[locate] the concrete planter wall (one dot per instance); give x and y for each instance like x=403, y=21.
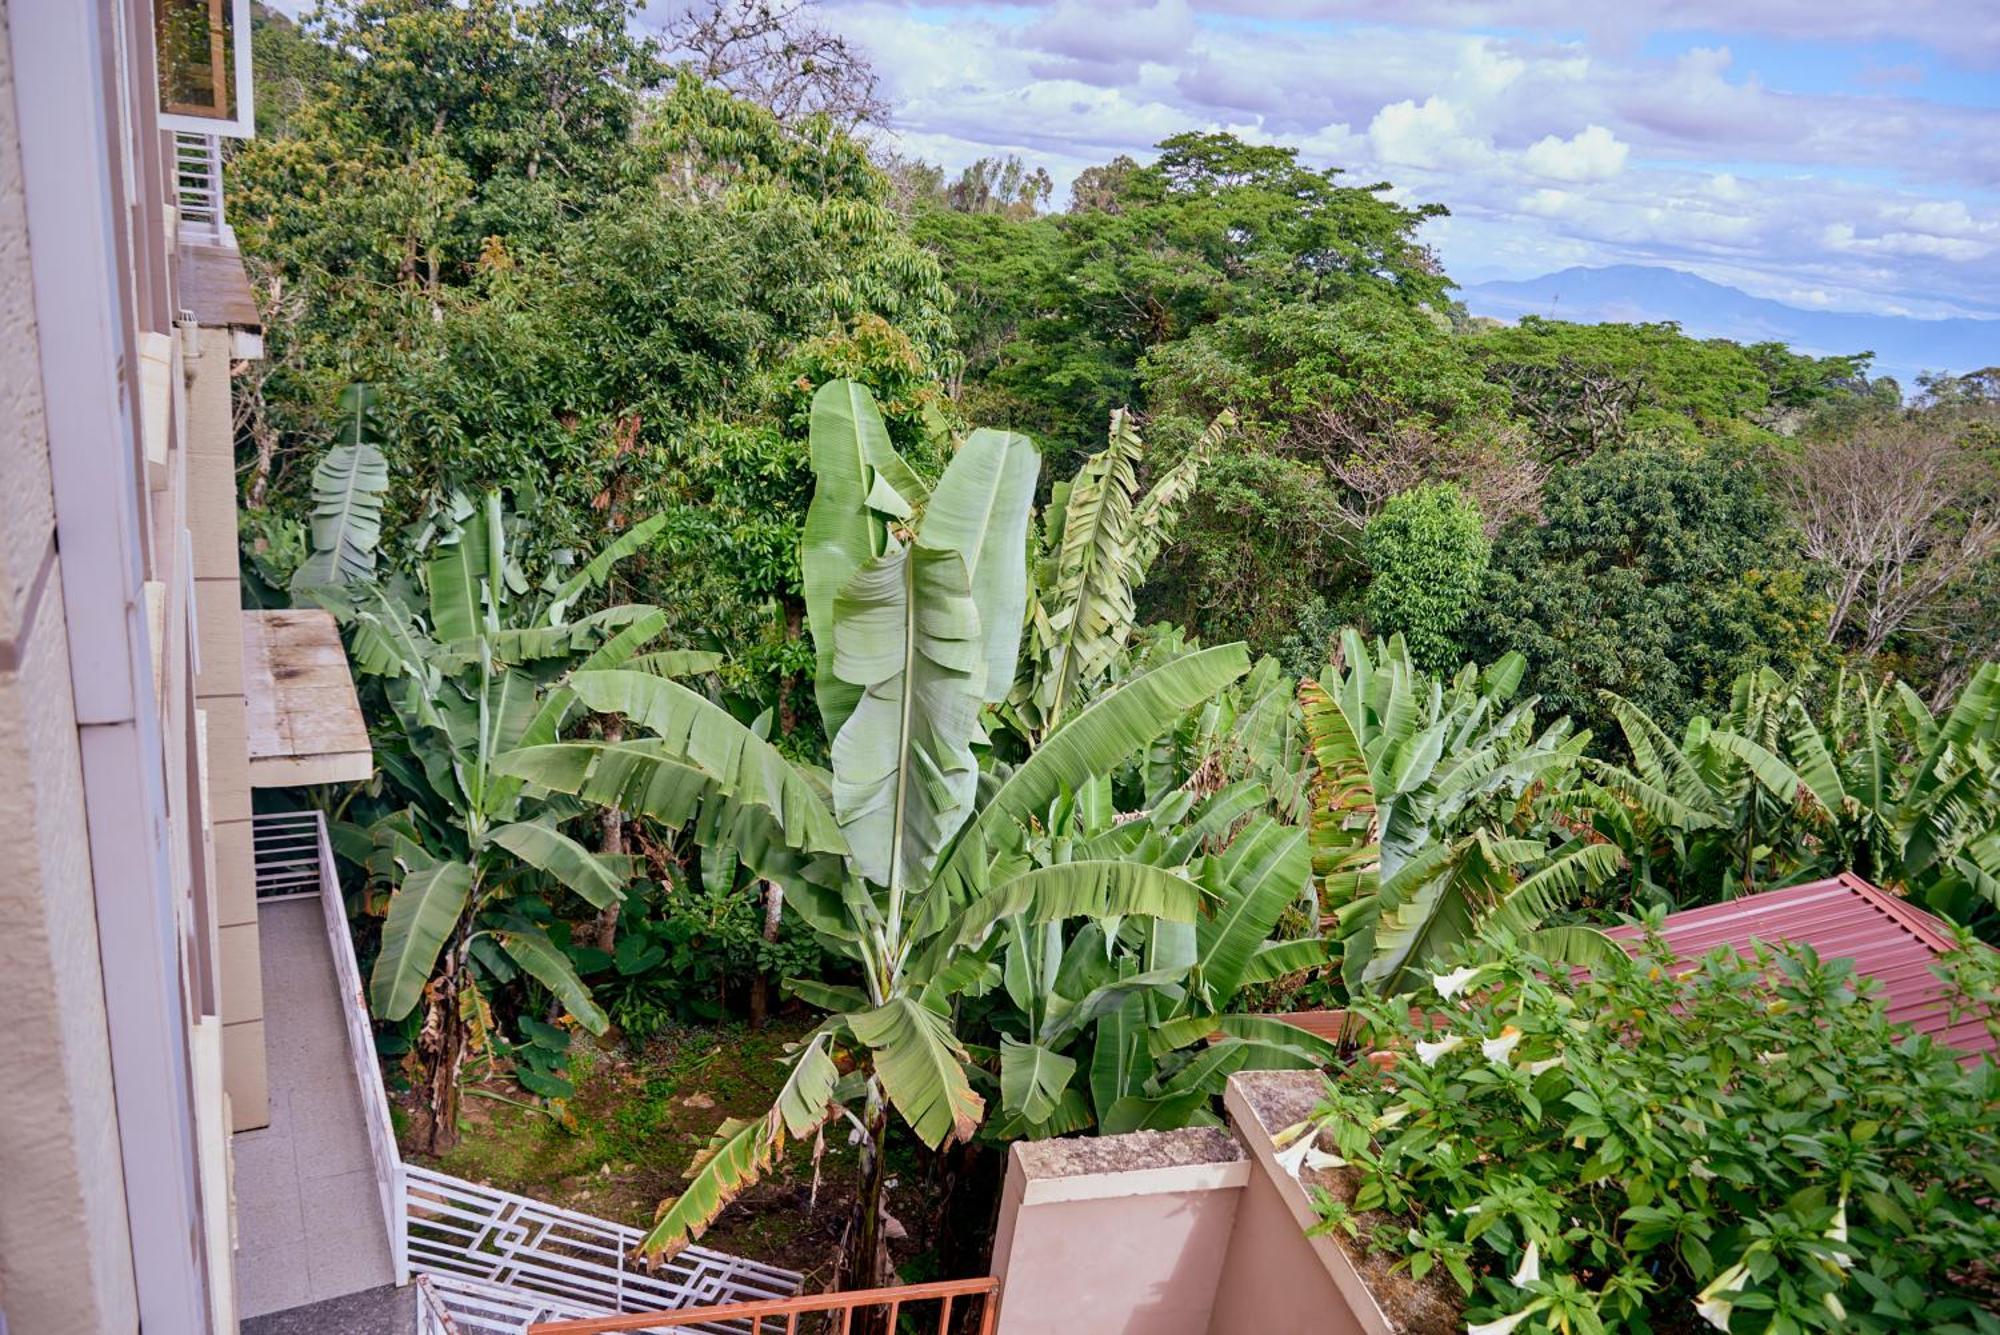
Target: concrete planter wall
x=1196, y=1232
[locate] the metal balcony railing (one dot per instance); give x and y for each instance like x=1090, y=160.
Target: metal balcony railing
x=198, y=188
x=835, y=1312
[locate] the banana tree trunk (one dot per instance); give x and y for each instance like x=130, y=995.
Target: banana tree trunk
x=866, y=1265
x=760, y=982
x=441, y=1051
x=611, y=828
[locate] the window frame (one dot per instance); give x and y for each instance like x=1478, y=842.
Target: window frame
x=241, y=125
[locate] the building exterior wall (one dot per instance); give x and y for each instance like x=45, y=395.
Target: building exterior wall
x=127, y=912
x=1196, y=1232
x=65, y=1258
x=211, y=473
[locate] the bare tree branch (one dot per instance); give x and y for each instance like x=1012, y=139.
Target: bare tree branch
x=1895, y=514
x=774, y=52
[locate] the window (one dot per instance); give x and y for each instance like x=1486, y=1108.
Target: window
x=203, y=49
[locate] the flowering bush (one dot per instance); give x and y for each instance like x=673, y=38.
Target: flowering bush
x=1748, y=1143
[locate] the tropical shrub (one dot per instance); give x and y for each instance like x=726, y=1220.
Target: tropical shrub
x=1748, y=1142
x=1099, y=539
x=1427, y=828
x=1426, y=555
x=1661, y=572
x=1778, y=791
x=906, y=858
x=1136, y=1025
x=474, y=860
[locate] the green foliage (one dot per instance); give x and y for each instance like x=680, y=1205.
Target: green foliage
x=1426, y=829
x=1426, y=554
x=1778, y=791
x=1262, y=536
x=1586, y=386
x=1747, y=1141
x=1062, y=310
x=1660, y=572
x=1326, y=373
x=474, y=862
x=574, y=278
x=920, y=598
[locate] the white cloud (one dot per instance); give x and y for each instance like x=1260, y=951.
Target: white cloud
x=1591, y=154
x=1431, y=135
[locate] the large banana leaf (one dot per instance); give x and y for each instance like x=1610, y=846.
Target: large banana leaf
x=598, y=877
x=980, y=511
x=1083, y=890
x=599, y=567
x=648, y=778
x=701, y=734
x=347, y=489
x=547, y=965
x=1154, y=515
x=1261, y=874
x=1116, y=726
x=739, y=1152
x=920, y=1064
x=423, y=911
x=857, y=479
x=1343, y=795
x=906, y=631
x=1032, y=1078
x=1118, y=1056
x=465, y=578
x=1090, y=608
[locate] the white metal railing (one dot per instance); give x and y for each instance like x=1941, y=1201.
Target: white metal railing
x=434, y=1316
x=467, y=1307
x=492, y=1262
x=198, y=187
x=580, y=1265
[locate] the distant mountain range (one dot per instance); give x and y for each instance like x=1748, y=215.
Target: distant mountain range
x=1631, y=293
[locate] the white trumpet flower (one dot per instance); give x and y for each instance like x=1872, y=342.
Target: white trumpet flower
x=1390, y=1118
x=1500, y=1050
x=1449, y=985
x=1545, y=1064
x=1531, y=1266
x=1838, y=1233
x=1712, y=1305
x=1502, y=1325
x=1428, y=1053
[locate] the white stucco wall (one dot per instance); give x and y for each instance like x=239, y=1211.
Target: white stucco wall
x=65, y=1259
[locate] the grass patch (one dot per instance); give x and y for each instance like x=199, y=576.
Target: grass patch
x=639, y=1118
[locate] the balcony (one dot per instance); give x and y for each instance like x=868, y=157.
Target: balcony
x=333, y=1226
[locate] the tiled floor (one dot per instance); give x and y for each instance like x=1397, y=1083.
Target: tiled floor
x=309, y=1219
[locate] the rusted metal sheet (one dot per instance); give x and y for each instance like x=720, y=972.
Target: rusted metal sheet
x=1889, y=939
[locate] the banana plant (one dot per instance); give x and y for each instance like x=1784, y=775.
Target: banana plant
x=1426, y=814
x=1132, y=1025
x=476, y=862
x=348, y=484
x=1771, y=795
x=908, y=859
x=1100, y=537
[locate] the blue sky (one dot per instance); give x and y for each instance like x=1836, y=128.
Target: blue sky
x=1842, y=154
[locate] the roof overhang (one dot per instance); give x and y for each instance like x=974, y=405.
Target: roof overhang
x=303, y=718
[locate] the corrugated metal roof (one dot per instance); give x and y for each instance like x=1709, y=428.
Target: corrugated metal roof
x=1890, y=940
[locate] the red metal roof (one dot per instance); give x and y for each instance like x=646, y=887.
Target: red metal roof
x=1888, y=939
